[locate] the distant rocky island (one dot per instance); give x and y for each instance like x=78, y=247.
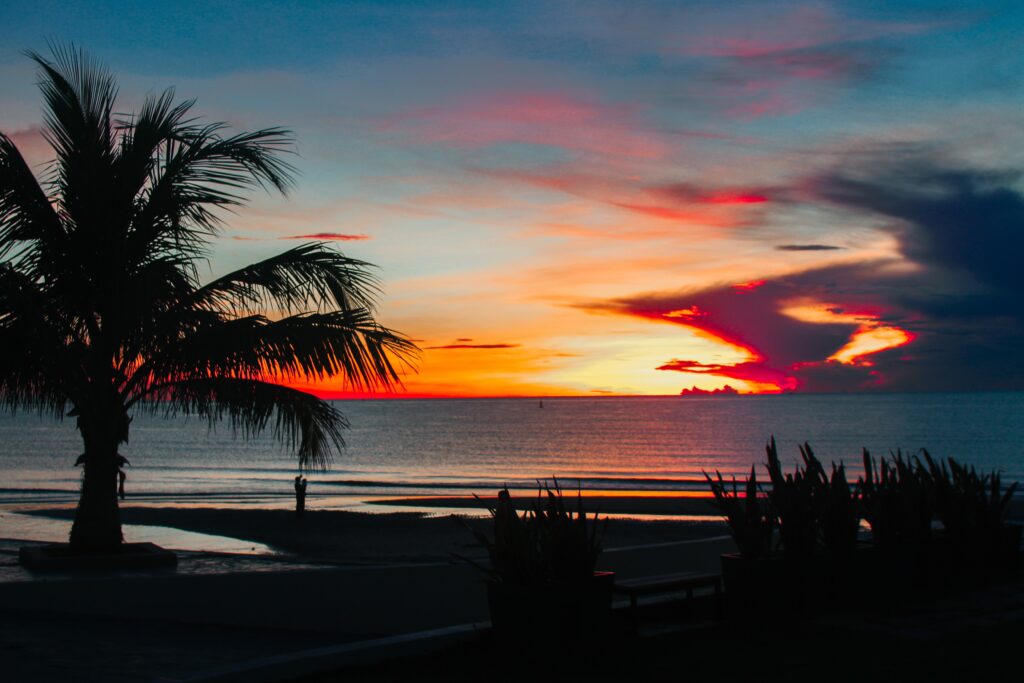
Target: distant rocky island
x=724, y=391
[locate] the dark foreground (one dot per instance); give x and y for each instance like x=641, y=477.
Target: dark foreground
x=970, y=636
x=810, y=653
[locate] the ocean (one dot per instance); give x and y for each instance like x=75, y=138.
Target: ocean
x=409, y=447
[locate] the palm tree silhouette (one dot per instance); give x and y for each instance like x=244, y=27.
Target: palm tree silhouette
x=102, y=308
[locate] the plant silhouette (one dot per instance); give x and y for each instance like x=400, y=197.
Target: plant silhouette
x=102, y=308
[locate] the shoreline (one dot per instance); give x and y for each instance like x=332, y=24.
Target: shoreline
x=655, y=503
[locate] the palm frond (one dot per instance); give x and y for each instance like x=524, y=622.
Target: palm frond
x=308, y=277
x=79, y=95
x=198, y=172
x=38, y=359
x=304, y=347
x=143, y=137
x=25, y=211
x=252, y=407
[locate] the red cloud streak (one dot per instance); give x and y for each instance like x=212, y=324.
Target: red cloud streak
x=826, y=339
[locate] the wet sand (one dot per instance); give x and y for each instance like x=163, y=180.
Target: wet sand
x=356, y=537
x=655, y=503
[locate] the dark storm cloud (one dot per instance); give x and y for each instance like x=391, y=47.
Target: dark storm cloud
x=954, y=219
x=328, y=236
x=807, y=247
x=958, y=289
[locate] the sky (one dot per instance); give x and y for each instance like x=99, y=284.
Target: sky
x=593, y=198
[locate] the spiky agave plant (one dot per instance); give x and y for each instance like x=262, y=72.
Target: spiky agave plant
x=512, y=549
x=794, y=499
x=751, y=519
x=102, y=308
x=840, y=514
x=835, y=503
x=570, y=542
x=898, y=499
x=971, y=505
x=548, y=542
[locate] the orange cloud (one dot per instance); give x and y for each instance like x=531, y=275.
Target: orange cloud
x=871, y=336
x=869, y=340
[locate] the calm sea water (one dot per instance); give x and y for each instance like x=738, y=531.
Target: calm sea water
x=432, y=447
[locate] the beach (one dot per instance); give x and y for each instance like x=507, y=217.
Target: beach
x=336, y=577
x=344, y=579
x=360, y=537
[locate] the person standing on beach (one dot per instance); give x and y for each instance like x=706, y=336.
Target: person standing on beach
x=121, y=476
x=300, y=495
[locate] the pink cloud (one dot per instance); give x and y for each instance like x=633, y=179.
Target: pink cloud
x=772, y=104
x=33, y=146
x=534, y=117
x=801, y=28
x=717, y=206
x=776, y=62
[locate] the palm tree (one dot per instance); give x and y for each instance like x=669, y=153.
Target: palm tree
x=102, y=309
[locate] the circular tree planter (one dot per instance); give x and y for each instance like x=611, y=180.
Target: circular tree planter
x=60, y=557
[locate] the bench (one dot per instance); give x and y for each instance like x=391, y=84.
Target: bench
x=668, y=583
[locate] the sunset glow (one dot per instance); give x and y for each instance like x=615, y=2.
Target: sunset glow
x=869, y=340
x=572, y=199
x=870, y=337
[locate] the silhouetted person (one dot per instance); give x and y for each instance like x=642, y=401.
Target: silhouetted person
x=300, y=495
x=121, y=476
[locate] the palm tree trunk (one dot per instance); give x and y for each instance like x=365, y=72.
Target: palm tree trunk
x=97, y=525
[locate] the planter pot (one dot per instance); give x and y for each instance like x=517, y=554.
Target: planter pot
x=61, y=557
x=1008, y=547
x=790, y=587
x=753, y=584
x=983, y=555
x=553, y=613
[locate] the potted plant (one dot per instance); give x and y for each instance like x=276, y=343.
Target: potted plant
x=972, y=508
x=795, y=497
x=541, y=580
x=898, y=499
x=746, y=575
x=817, y=517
